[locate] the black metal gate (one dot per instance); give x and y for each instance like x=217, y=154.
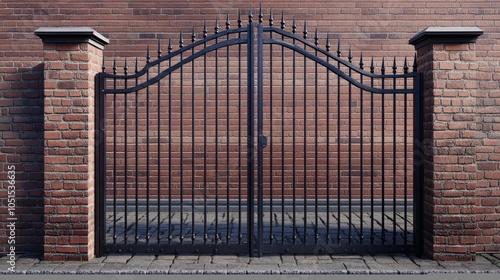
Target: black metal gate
x=335, y=159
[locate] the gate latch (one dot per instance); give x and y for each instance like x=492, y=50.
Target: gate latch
x=262, y=141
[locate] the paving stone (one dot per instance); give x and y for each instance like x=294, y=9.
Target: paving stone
x=205, y=259
x=482, y=259
x=140, y=263
x=186, y=268
x=215, y=269
x=67, y=268
x=378, y=268
x=341, y=257
x=295, y=269
x=382, y=259
x=97, y=260
x=43, y=267
x=237, y=268
x=403, y=259
x=475, y=267
x=266, y=260
x=333, y=268
x=356, y=266
x=117, y=258
x=90, y=268
x=454, y=267
x=165, y=257
x=159, y=267
x=429, y=266
x=408, y=268
x=288, y=260
x=263, y=269
x=116, y=268
x=243, y=259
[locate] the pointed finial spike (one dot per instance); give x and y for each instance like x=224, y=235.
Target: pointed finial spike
x=103, y=67
x=372, y=67
x=316, y=39
x=394, y=67
x=282, y=20
x=114, y=65
x=328, y=46
x=294, y=26
x=305, y=29
x=216, y=26
x=205, y=32
x=382, y=68
x=193, y=36
x=169, y=46
x=148, y=56
x=250, y=16
x=228, y=24
x=239, y=19
x=271, y=18
x=261, y=16
x=405, y=66
x=350, y=54
x=181, y=41
x=361, y=63
x=159, y=47
x=136, y=65
x=339, y=52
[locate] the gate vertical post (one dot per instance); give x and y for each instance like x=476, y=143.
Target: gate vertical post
x=250, y=137
x=447, y=59
x=72, y=58
x=261, y=137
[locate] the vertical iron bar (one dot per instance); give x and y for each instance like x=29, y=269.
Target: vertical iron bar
x=125, y=222
x=159, y=153
x=114, y=153
x=260, y=131
x=205, y=233
x=240, y=236
x=147, y=152
x=394, y=104
x=282, y=134
x=136, y=155
x=227, y=134
x=383, y=151
x=250, y=136
x=294, y=215
x=193, y=235
x=372, y=159
x=328, y=142
x=338, y=148
x=316, y=234
x=216, y=136
x=361, y=155
x=271, y=236
x=349, y=57
x=169, y=146
x=181, y=187
x=405, y=68
x=305, y=139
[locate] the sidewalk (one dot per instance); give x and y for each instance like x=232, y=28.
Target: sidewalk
x=233, y=264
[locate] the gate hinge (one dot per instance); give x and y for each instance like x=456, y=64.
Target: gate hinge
x=262, y=141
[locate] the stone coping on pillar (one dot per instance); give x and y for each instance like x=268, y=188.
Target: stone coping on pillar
x=72, y=35
x=458, y=35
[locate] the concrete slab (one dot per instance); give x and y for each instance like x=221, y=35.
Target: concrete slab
x=90, y=268
x=117, y=258
x=181, y=268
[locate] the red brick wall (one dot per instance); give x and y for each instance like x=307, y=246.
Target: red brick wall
x=377, y=28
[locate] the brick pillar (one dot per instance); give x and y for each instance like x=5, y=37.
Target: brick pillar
x=447, y=59
x=72, y=57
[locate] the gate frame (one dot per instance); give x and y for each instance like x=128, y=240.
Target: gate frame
x=256, y=247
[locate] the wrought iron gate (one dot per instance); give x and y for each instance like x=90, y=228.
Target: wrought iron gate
x=336, y=158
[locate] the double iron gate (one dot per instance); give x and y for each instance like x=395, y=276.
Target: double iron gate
x=328, y=164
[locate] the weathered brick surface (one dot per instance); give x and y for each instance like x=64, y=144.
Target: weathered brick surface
x=377, y=29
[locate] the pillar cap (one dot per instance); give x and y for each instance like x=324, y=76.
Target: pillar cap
x=457, y=35
x=72, y=35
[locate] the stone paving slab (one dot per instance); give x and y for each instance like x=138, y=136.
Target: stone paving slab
x=234, y=264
